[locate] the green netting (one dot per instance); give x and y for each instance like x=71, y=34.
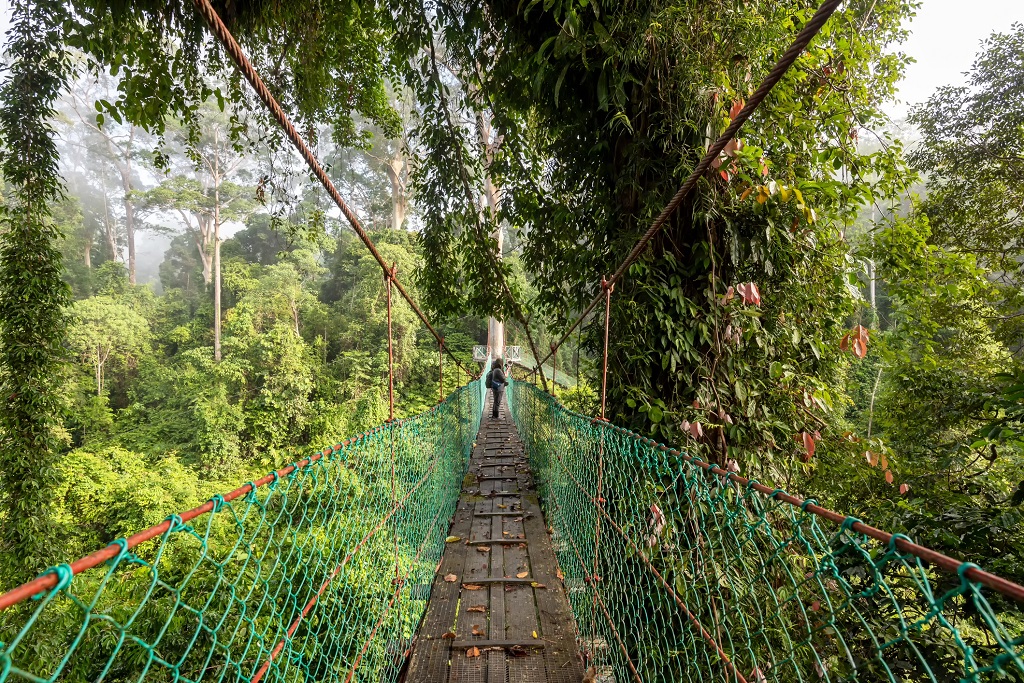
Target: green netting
x=688, y=576
x=300, y=572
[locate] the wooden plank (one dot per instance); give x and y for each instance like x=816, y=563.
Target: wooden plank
x=506, y=535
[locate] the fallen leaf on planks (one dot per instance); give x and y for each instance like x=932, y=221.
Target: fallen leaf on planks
x=472, y=587
x=477, y=608
x=473, y=652
x=522, y=575
x=451, y=578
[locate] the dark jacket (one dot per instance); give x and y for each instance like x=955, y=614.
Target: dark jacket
x=498, y=376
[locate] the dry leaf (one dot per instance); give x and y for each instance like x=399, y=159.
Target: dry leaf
x=756, y=676
x=477, y=631
x=888, y=476
x=477, y=608
x=473, y=652
x=472, y=587
x=559, y=574
x=904, y=488
x=482, y=549
x=522, y=575
x=451, y=578
x=452, y=539
x=808, y=442
x=538, y=585
x=449, y=636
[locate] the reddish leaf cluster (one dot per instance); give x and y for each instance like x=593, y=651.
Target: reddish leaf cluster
x=694, y=428
x=809, y=442
x=881, y=461
x=856, y=341
x=750, y=293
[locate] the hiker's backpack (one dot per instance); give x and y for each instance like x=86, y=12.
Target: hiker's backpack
x=490, y=378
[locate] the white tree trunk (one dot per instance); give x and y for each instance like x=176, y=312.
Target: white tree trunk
x=216, y=249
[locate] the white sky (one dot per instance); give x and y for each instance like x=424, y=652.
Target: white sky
x=945, y=38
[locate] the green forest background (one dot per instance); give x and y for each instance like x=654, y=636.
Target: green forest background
x=875, y=364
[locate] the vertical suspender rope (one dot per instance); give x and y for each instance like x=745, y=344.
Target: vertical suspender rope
x=602, y=421
x=440, y=370
x=607, y=287
x=389, y=277
x=554, y=371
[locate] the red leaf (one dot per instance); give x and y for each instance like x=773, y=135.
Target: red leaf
x=809, y=445
x=737, y=106
x=764, y=168
x=816, y=605
x=872, y=458
x=904, y=488
x=750, y=293
x=859, y=349
x=844, y=343
x=888, y=476
x=756, y=676
x=725, y=175
x=696, y=403
x=696, y=430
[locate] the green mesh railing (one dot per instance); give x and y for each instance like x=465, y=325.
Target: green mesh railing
x=291, y=578
x=677, y=571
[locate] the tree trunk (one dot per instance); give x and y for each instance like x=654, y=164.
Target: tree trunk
x=108, y=229
x=203, y=245
x=399, y=200
x=495, y=327
x=129, y=207
x=216, y=249
x=87, y=253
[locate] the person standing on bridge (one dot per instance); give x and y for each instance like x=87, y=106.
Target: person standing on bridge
x=496, y=380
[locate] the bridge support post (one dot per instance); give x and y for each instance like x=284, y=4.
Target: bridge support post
x=440, y=370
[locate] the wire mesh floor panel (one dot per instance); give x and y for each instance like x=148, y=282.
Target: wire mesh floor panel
x=505, y=618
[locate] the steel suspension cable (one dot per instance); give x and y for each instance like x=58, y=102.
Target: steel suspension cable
x=811, y=29
x=248, y=71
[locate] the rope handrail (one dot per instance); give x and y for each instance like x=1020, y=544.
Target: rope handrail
x=803, y=38
x=755, y=585
x=248, y=71
x=315, y=535
x=949, y=564
x=48, y=581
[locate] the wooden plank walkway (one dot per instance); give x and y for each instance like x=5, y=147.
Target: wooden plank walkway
x=498, y=612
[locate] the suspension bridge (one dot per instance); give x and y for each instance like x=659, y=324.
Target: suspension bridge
x=540, y=545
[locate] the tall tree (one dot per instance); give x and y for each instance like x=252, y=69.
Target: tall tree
x=33, y=294
x=972, y=152
x=207, y=198
x=602, y=110
x=118, y=145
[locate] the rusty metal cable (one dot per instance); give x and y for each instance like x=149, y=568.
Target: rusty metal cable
x=803, y=38
x=248, y=71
